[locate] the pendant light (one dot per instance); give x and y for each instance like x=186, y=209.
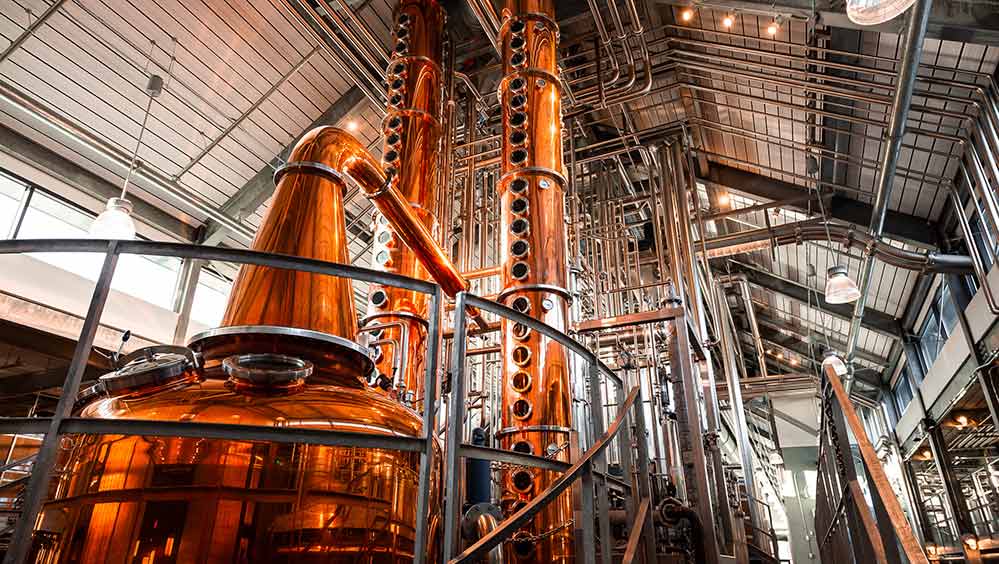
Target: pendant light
x=833, y=360
x=875, y=12
x=115, y=222
x=840, y=288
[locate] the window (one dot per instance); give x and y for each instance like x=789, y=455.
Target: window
x=941, y=319
x=46, y=216
x=901, y=393
x=210, y=298
x=981, y=240
x=12, y=193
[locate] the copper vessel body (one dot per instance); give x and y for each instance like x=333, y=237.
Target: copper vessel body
x=537, y=398
x=411, y=143
x=168, y=499
x=141, y=499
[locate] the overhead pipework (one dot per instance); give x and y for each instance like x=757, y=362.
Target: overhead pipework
x=594, y=237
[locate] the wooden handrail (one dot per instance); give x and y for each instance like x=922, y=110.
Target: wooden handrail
x=907, y=539
x=562, y=483
x=635, y=535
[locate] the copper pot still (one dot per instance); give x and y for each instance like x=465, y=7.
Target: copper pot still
x=285, y=356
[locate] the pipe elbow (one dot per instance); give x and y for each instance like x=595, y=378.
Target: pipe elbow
x=342, y=153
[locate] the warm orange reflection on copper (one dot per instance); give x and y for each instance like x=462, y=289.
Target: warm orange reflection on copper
x=305, y=219
x=177, y=500
x=168, y=499
x=537, y=396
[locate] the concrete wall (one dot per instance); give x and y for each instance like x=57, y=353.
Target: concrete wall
x=800, y=507
x=40, y=295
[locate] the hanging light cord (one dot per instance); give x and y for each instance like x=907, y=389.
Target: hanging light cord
x=152, y=91
x=133, y=163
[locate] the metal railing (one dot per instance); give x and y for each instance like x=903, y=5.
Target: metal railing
x=590, y=464
x=764, y=536
x=62, y=422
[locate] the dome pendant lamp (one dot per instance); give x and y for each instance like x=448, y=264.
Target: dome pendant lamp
x=875, y=12
x=840, y=288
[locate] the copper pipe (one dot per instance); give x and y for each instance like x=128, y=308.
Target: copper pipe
x=481, y=273
x=536, y=396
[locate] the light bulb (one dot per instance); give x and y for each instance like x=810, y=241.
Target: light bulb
x=687, y=14
x=727, y=21
x=833, y=360
x=352, y=126
x=780, y=356
x=840, y=288
x=865, y=12
x=794, y=362
x=773, y=28
x=115, y=222
x=724, y=199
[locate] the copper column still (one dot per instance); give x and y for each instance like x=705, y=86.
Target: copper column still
x=285, y=357
x=411, y=145
x=537, y=398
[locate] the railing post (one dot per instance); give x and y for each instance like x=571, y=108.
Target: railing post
x=644, y=486
x=421, y=548
x=624, y=456
x=455, y=417
x=41, y=472
x=586, y=543
x=597, y=421
x=688, y=414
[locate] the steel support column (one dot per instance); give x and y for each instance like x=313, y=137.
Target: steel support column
x=912, y=49
x=952, y=490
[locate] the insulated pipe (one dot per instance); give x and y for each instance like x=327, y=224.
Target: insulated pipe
x=912, y=50
x=815, y=230
x=726, y=334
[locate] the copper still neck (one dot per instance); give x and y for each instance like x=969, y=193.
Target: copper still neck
x=305, y=219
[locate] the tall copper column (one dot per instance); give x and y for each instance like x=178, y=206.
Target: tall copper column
x=537, y=398
x=412, y=135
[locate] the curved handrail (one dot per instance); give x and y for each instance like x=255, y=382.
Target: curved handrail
x=548, y=331
x=562, y=483
x=62, y=422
